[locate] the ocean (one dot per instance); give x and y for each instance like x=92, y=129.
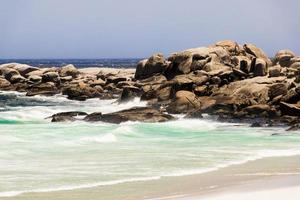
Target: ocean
x=79, y=63
x=39, y=156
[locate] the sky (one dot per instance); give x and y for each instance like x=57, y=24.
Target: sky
x=139, y=28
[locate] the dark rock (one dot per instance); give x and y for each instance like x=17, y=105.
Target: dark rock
x=259, y=67
x=277, y=89
x=292, y=96
x=295, y=127
x=141, y=114
x=129, y=93
x=290, y=109
x=66, y=116
x=155, y=64
x=256, y=124
x=51, y=77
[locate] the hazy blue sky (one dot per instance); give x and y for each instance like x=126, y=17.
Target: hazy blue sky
x=138, y=28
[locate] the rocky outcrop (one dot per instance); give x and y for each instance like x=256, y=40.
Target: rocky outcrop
x=67, y=116
x=141, y=114
x=226, y=79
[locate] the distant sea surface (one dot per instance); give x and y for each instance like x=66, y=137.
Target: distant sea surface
x=79, y=63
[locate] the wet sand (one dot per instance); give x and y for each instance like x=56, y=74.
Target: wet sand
x=263, y=174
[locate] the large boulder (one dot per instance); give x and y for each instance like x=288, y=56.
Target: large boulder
x=231, y=46
x=194, y=59
x=141, y=114
x=184, y=102
x=253, y=50
x=47, y=89
x=155, y=64
x=81, y=91
x=275, y=71
x=69, y=70
x=248, y=91
x=23, y=69
x=283, y=57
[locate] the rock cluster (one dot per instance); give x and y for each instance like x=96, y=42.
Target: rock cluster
x=226, y=79
x=232, y=81
x=68, y=80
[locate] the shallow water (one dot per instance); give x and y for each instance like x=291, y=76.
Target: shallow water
x=36, y=155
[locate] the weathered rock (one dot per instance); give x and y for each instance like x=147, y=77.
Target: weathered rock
x=97, y=82
x=201, y=90
x=81, y=92
x=155, y=64
x=292, y=96
x=214, y=66
x=129, y=93
x=260, y=67
x=23, y=69
x=242, y=62
x=66, y=79
x=115, y=79
x=245, y=91
x=69, y=70
x=275, y=71
x=184, y=101
x=257, y=109
x=283, y=57
x=231, y=46
x=35, y=78
x=141, y=114
x=8, y=73
x=66, y=116
x=278, y=89
x=256, y=52
x=295, y=127
x=51, y=77
x=17, y=79
x=4, y=83
x=290, y=109
x=164, y=93
x=48, y=89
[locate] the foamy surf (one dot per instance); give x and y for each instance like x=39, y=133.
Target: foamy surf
x=99, y=154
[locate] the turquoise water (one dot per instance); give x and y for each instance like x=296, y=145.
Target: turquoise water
x=36, y=155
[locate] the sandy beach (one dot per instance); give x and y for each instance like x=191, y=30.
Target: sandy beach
x=267, y=178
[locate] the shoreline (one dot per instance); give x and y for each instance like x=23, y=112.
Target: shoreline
x=190, y=187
